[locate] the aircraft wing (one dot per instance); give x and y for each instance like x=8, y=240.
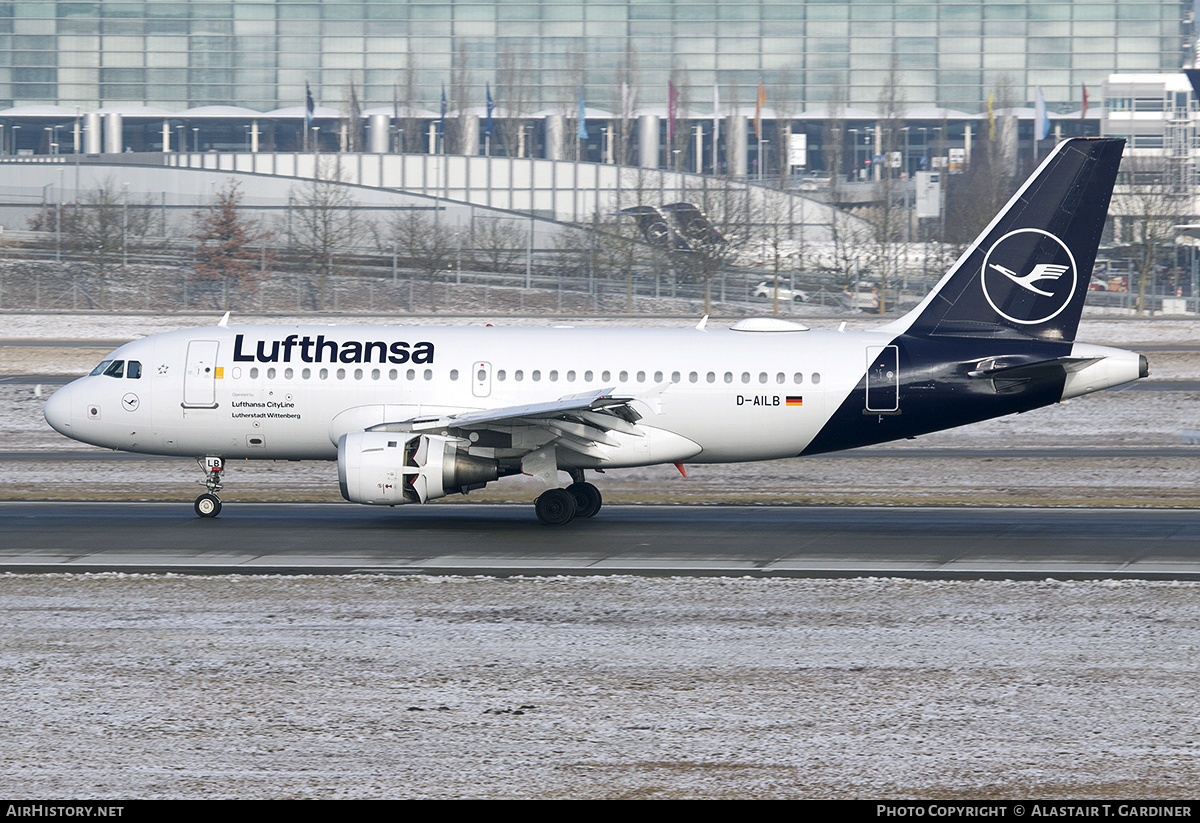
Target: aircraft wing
x=598, y=410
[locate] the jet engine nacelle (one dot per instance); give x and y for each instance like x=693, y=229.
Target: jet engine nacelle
x=393, y=468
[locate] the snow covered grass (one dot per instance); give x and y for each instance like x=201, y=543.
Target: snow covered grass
x=361, y=686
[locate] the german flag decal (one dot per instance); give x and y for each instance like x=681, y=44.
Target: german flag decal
x=793, y=400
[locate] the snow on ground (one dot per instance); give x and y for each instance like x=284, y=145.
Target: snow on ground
x=359, y=686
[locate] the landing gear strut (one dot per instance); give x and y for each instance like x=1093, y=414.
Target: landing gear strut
x=208, y=504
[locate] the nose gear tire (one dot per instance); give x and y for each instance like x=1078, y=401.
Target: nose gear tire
x=207, y=505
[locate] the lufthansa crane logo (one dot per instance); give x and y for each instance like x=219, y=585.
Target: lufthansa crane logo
x=1029, y=276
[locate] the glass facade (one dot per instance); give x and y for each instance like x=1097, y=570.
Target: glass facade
x=537, y=55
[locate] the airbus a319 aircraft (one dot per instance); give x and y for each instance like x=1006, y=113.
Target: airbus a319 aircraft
x=412, y=414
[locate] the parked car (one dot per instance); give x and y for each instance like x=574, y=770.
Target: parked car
x=766, y=291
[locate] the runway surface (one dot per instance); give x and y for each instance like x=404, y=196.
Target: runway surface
x=955, y=543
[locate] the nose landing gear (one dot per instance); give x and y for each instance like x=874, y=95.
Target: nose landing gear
x=208, y=504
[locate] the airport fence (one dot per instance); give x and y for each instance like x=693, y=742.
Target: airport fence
x=148, y=287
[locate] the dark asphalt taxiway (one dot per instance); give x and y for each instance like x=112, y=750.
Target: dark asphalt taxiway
x=701, y=540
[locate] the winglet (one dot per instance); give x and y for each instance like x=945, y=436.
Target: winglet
x=224, y=320
x=703, y=322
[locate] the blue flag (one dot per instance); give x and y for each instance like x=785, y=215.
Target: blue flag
x=490, y=107
x=582, y=133
x=1041, y=127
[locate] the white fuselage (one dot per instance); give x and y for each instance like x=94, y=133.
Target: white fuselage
x=726, y=391
x=271, y=392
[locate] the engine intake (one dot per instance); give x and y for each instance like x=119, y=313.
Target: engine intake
x=390, y=468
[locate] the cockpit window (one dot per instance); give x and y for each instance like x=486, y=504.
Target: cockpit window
x=135, y=370
x=104, y=364
x=116, y=369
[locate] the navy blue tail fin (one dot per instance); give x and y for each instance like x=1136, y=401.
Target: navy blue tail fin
x=1028, y=272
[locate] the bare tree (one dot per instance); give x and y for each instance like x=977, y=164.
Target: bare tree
x=976, y=194
x=625, y=105
x=888, y=215
x=461, y=82
x=572, y=91
x=1148, y=203
x=353, y=120
x=514, y=92
x=785, y=112
x=728, y=214
x=678, y=141
x=409, y=135
x=782, y=250
x=846, y=237
x=327, y=224
x=103, y=229
x=225, y=243
x=497, y=245
x=424, y=241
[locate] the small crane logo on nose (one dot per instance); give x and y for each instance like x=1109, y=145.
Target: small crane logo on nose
x=130, y=402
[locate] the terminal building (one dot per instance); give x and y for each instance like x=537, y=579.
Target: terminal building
x=742, y=89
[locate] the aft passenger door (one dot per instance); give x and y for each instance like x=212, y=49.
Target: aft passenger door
x=883, y=380
x=200, y=377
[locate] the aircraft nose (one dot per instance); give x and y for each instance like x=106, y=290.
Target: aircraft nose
x=58, y=411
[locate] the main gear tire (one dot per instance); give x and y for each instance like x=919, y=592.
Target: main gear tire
x=587, y=499
x=555, y=507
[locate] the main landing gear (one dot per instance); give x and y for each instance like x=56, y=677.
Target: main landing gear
x=557, y=507
x=208, y=504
